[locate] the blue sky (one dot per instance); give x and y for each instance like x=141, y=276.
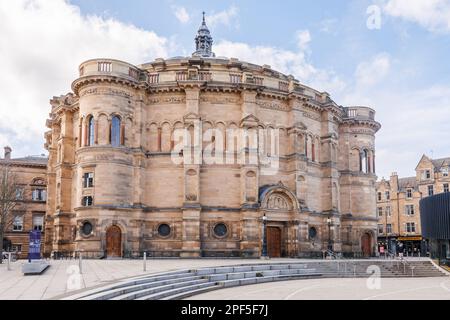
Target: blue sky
x=400, y=69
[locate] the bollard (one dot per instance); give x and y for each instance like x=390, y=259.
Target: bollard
x=9, y=261
x=145, y=261
x=80, y=262
x=354, y=270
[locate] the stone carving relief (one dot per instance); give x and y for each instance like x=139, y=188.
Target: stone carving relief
x=191, y=172
x=277, y=202
x=265, y=104
x=219, y=100
x=167, y=100
x=191, y=197
x=101, y=91
x=311, y=116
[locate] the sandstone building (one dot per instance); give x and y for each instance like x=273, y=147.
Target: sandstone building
x=114, y=189
x=29, y=212
x=398, y=206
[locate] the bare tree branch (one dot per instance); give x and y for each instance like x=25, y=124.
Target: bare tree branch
x=8, y=186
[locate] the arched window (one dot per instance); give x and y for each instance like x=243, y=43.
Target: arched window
x=90, y=135
x=313, y=151
x=115, y=131
x=365, y=161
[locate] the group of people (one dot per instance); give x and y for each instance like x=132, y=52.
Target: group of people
x=399, y=250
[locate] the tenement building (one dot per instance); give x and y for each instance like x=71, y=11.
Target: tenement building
x=207, y=156
x=30, y=176
x=398, y=209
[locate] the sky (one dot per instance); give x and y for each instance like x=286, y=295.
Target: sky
x=391, y=55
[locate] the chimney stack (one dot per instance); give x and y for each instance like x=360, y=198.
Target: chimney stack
x=8, y=151
x=393, y=181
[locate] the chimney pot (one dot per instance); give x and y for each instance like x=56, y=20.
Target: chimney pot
x=8, y=151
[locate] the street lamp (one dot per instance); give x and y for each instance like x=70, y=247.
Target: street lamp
x=330, y=246
x=264, y=247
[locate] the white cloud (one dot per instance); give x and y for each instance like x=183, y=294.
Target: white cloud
x=181, y=14
x=303, y=39
x=285, y=61
x=371, y=72
x=414, y=120
x=328, y=26
x=42, y=44
x=434, y=15
x=226, y=17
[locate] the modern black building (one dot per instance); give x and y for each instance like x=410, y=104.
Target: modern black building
x=435, y=219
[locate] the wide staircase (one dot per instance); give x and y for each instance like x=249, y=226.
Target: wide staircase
x=190, y=282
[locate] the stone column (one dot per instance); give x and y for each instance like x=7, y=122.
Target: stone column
x=192, y=208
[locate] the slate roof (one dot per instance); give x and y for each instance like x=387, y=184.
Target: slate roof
x=409, y=182
x=27, y=161
x=439, y=163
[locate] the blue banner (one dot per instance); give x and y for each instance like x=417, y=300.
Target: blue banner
x=34, y=252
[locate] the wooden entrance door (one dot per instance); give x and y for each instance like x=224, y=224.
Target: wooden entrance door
x=274, y=242
x=366, y=245
x=113, y=242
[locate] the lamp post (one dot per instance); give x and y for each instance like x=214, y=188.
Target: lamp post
x=264, y=247
x=330, y=246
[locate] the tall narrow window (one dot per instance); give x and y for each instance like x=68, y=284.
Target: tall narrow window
x=446, y=188
x=388, y=211
x=38, y=222
x=388, y=195
x=313, y=152
x=88, y=181
x=18, y=223
x=90, y=141
x=389, y=228
x=380, y=211
x=39, y=194
x=430, y=190
x=115, y=131
x=409, y=193
x=364, y=161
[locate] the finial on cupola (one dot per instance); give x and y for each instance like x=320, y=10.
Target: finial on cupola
x=203, y=41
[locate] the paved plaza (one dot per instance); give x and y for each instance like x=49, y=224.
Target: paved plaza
x=55, y=283
x=337, y=289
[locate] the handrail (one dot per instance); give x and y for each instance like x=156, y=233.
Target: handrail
x=405, y=264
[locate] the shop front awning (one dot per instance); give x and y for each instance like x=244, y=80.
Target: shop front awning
x=415, y=238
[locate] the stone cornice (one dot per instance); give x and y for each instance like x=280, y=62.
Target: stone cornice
x=362, y=122
x=22, y=164
x=122, y=80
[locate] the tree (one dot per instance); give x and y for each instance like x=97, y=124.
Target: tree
x=8, y=185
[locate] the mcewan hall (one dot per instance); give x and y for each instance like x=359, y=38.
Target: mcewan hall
x=121, y=179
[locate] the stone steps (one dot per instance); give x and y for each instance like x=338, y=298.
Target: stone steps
x=127, y=290
x=161, y=290
x=182, y=290
x=186, y=283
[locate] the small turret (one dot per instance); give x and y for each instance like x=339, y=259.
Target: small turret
x=203, y=41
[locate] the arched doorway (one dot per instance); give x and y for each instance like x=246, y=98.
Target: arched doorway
x=366, y=244
x=113, y=242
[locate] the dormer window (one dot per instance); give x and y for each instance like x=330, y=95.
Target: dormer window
x=445, y=172
x=427, y=174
